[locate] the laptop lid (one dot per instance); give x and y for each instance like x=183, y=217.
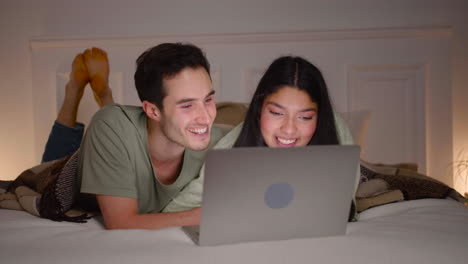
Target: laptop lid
x=257, y=194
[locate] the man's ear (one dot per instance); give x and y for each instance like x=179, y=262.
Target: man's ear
x=151, y=110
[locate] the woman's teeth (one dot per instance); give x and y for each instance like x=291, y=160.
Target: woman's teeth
x=286, y=141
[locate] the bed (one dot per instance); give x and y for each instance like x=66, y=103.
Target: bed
x=418, y=231
x=415, y=231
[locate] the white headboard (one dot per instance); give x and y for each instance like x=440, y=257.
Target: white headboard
x=400, y=75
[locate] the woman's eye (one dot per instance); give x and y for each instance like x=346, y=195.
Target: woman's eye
x=306, y=117
x=274, y=113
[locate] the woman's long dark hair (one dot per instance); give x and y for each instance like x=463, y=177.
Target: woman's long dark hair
x=294, y=72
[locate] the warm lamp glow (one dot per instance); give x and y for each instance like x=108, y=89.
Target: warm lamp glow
x=16, y=155
x=11, y=169
x=460, y=171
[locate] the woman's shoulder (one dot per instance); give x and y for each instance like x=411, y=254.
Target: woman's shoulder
x=342, y=129
x=230, y=138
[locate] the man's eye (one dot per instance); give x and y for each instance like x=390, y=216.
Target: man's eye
x=208, y=100
x=186, y=106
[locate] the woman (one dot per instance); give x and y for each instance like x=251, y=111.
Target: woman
x=290, y=108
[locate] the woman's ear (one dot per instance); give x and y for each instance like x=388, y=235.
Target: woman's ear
x=151, y=110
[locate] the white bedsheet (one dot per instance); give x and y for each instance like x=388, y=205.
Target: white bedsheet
x=421, y=231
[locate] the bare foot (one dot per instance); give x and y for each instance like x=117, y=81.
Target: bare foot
x=78, y=78
x=98, y=70
x=74, y=92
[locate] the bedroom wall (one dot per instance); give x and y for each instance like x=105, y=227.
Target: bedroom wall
x=24, y=19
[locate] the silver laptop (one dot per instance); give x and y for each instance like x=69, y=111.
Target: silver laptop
x=259, y=194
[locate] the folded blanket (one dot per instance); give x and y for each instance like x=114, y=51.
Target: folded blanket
x=382, y=184
x=48, y=190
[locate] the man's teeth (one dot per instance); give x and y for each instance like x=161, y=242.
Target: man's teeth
x=286, y=141
x=198, y=130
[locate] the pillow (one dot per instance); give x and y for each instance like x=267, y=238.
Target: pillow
x=230, y=113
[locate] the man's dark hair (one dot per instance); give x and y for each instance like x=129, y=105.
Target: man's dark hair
x=165, y=61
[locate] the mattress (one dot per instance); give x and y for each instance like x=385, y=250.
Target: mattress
x=418, y=231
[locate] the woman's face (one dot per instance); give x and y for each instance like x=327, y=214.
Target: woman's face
x=288, y=118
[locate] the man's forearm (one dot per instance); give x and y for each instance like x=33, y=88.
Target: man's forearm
x=122, y=213
x=155, y=221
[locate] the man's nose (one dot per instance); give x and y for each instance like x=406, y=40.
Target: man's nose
x=203, y=114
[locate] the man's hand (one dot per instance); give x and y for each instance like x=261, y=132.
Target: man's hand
x=122, y=213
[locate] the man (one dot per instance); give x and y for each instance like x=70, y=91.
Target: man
x=136, y=159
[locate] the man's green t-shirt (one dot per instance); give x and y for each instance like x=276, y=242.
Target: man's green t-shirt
x=115, y=160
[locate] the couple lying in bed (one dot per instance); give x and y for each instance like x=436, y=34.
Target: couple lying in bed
x=139, y=165
x=138, y=162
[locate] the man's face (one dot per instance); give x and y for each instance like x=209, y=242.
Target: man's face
x=188, y=109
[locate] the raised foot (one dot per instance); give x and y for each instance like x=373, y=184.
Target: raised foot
x=98, y=68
